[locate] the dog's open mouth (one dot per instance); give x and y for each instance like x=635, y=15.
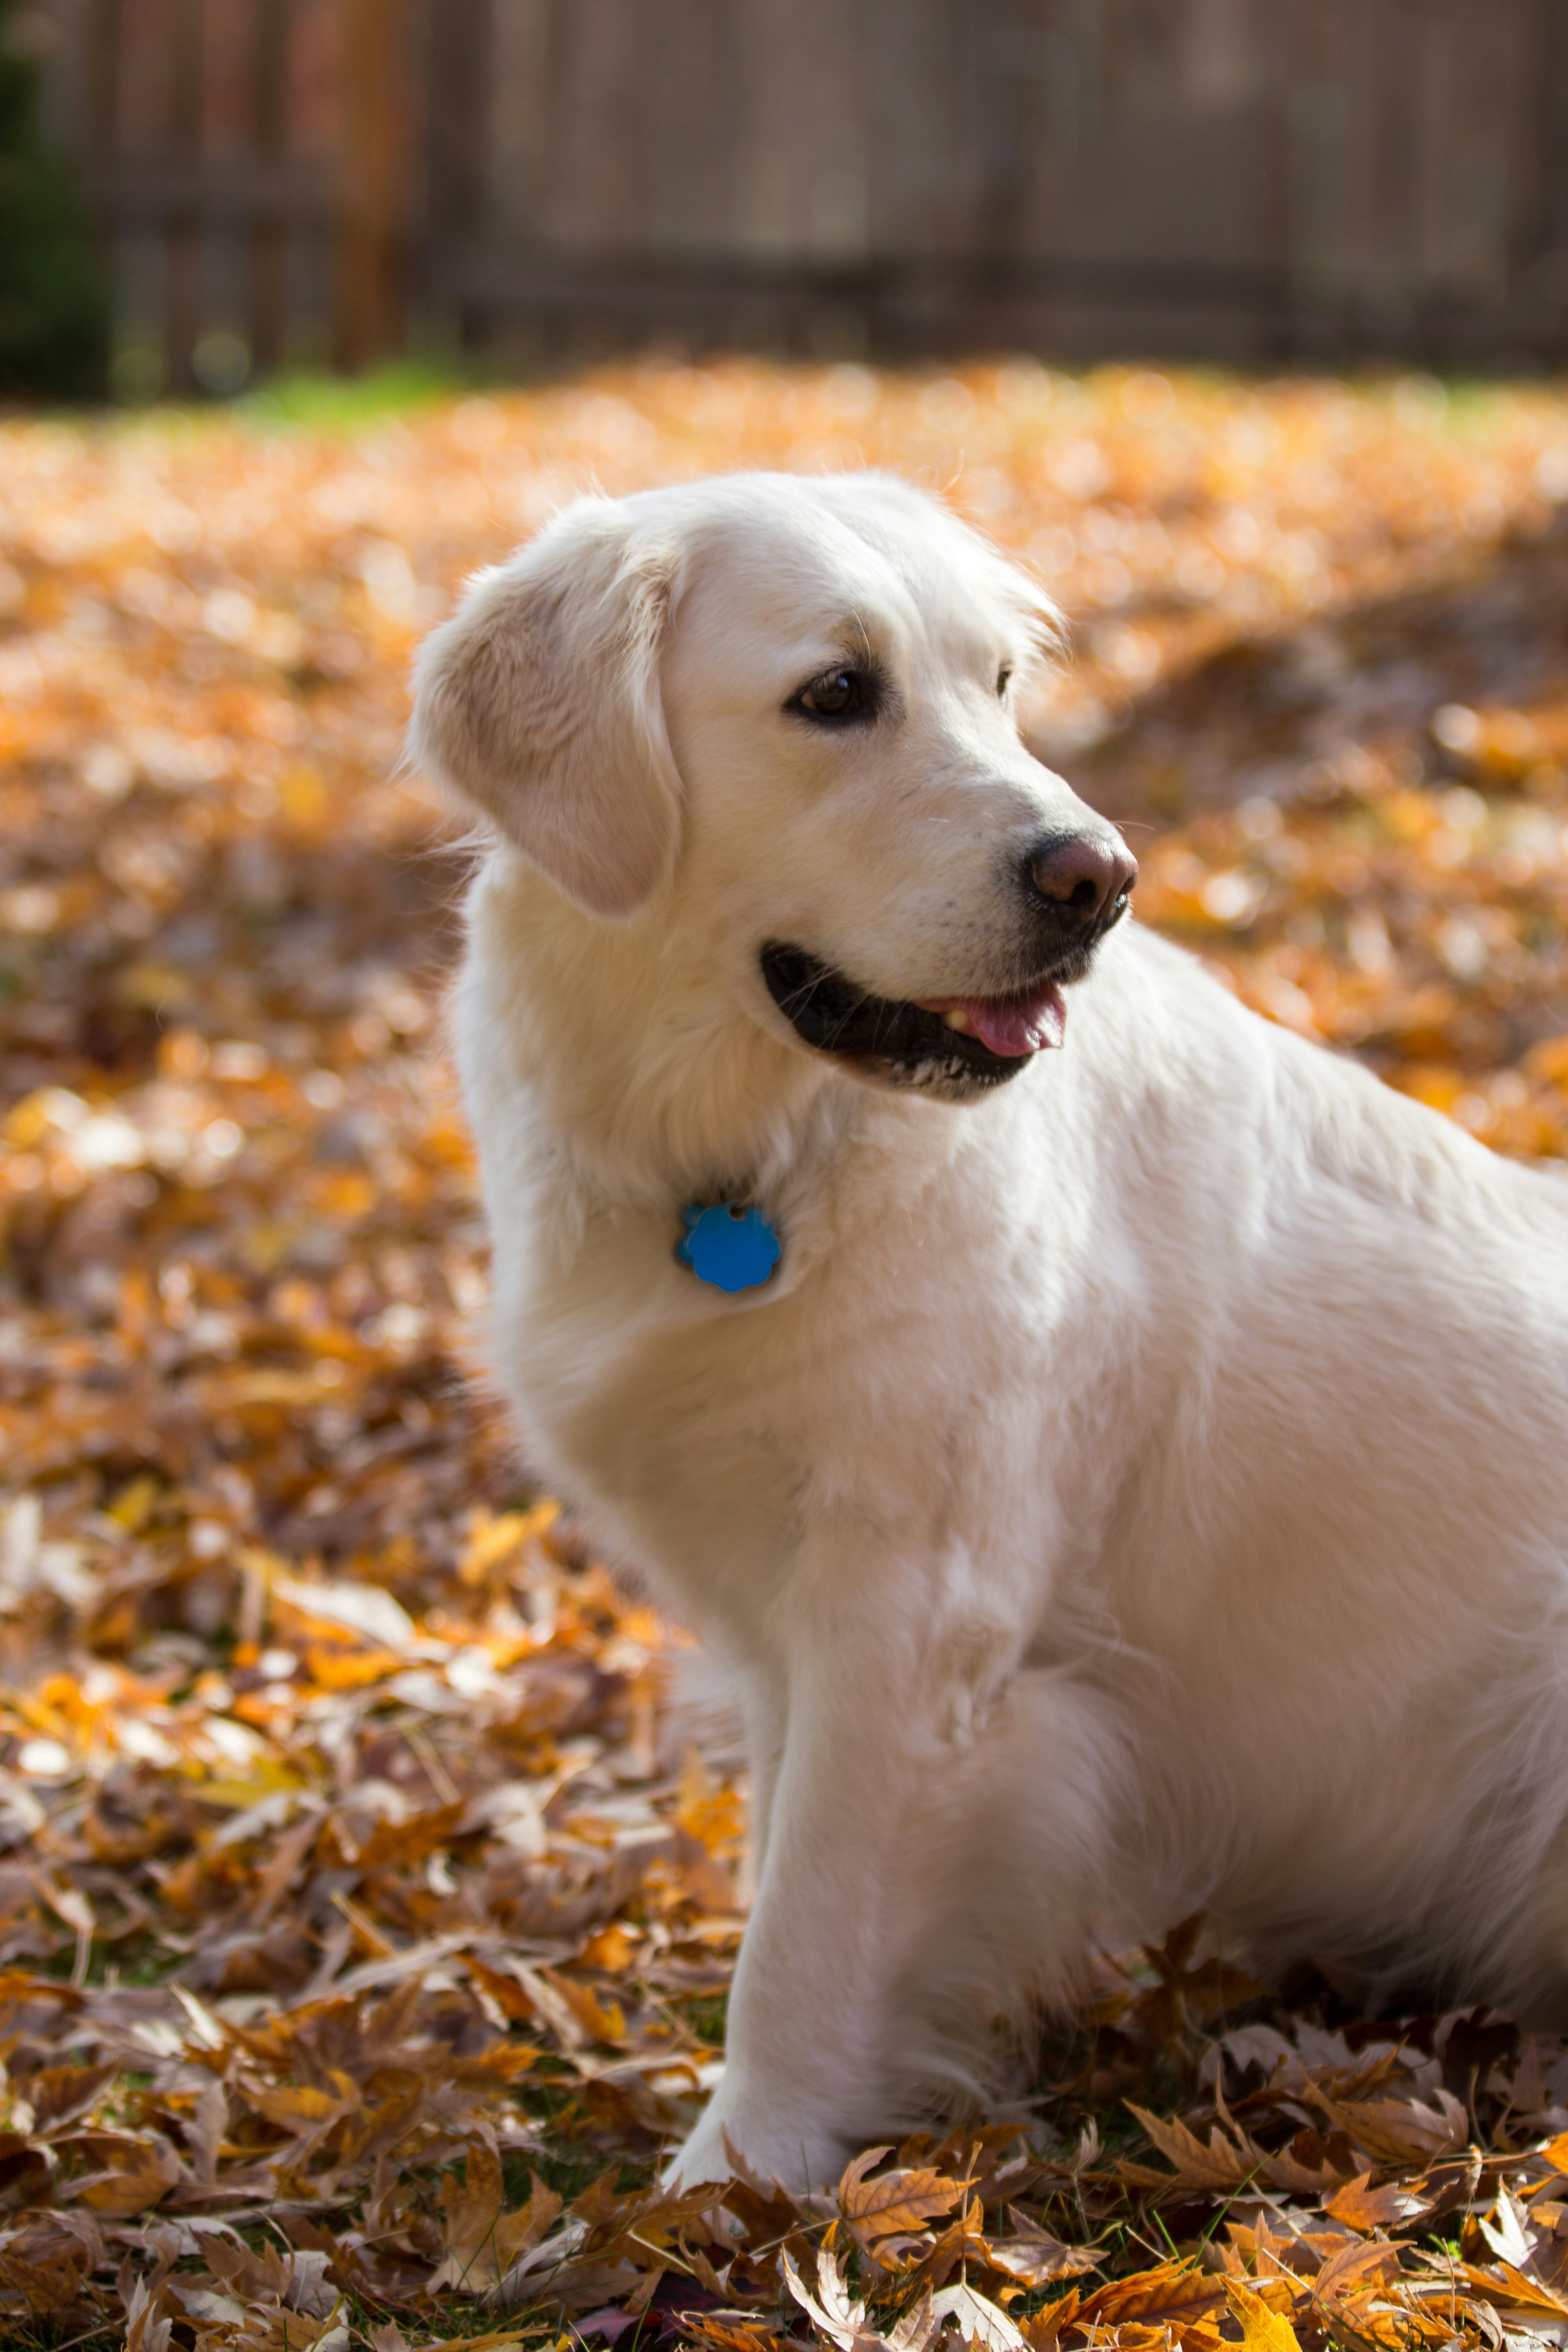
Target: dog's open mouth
x=971, y=1040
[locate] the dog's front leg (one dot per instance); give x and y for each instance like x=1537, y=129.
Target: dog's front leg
x=896, y=1726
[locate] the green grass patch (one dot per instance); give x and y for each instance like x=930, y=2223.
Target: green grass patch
x=323, y=402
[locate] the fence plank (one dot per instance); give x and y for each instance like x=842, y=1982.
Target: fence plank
x=1234, y=177
x=270, y=30
x=101, y=33
x=182, y=238
x=369, y=263
x=460, y=50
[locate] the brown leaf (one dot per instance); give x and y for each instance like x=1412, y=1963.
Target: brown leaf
x=1169, y=2294
x=518, y=2232
x=394, y=1844
x=1352, y=2269
x=386, y=2122
x=979, y=2321
x=1035, y=2260
x=473, y=2208
x=304, y=2107
x=601, y=2020
x=1362, y=2207
x=58, y=2094
x=139, y=2173
x=51, y=2284
x=896, y=2200
x=1508, y=2290
x=1221, y=2165
x=1397, y=2132
x=261, y=2276
x=481, y=2240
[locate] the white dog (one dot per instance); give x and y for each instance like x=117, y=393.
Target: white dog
x=1140, y=1481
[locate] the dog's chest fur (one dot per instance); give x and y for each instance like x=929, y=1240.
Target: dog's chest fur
x=707, y=1432
x=974, y=1339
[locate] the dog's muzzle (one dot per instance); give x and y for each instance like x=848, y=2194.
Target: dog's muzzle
x=1076, y=886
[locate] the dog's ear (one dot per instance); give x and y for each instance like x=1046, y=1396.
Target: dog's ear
x=539, y=702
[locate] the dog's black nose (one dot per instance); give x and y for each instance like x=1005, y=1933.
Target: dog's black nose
x=1086, y=878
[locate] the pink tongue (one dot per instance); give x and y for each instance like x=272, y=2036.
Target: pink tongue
x=1018, y=1025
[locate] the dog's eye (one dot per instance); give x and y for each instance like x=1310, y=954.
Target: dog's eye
x=1003, y=680
x=837, y=693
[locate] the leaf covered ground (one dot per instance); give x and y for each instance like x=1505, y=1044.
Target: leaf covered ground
x=367, y=1899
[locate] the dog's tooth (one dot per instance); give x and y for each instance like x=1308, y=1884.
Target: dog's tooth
x=957, y=1019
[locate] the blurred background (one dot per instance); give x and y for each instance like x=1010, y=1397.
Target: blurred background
x=524, y=181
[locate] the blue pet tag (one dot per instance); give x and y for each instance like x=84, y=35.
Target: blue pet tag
x=729, y=1247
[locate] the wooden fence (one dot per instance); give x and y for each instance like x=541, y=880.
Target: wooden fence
x=1236, y=178
x=249, y=163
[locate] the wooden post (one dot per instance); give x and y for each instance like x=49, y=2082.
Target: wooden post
x=373, y=208
x=269, y=130
x=182, y=234
x=1538, y=273
x=97, y=123
x=456, y=149
x=100, y=82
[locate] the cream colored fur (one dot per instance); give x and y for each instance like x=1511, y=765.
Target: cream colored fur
x=1142, y=1488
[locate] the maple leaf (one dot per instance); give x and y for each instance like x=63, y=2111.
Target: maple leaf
x=1396, y=2131
x=1036, y=2257
x=481, y=2240
x=304, y=2107
x=1221, y=2164
x=1167, y=2295
x=58, y=2094
x=47, y=2284
x=1351, y=2268
x=1262, y=2330
x=1364, y=2208
x=266, y=2275
x=137, y=2173
x=1184, y=1993
x=831, y=2308
x=894, y=2201
x=978, y=2320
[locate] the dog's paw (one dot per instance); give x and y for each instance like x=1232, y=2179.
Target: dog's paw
x=708, y=2153
x=725, y=2146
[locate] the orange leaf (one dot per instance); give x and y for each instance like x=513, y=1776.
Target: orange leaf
x=1262, y=2330
x=895, y=2201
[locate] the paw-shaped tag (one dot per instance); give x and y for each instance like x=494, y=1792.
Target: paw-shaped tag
x=729, y=1247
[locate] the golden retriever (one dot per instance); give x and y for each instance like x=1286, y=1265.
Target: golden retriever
x=1115, y=1449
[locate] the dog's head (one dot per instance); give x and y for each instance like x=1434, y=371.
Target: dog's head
x=770, y=720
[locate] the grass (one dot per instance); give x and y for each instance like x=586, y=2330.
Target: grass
x=316, y=399
x=324, y=402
